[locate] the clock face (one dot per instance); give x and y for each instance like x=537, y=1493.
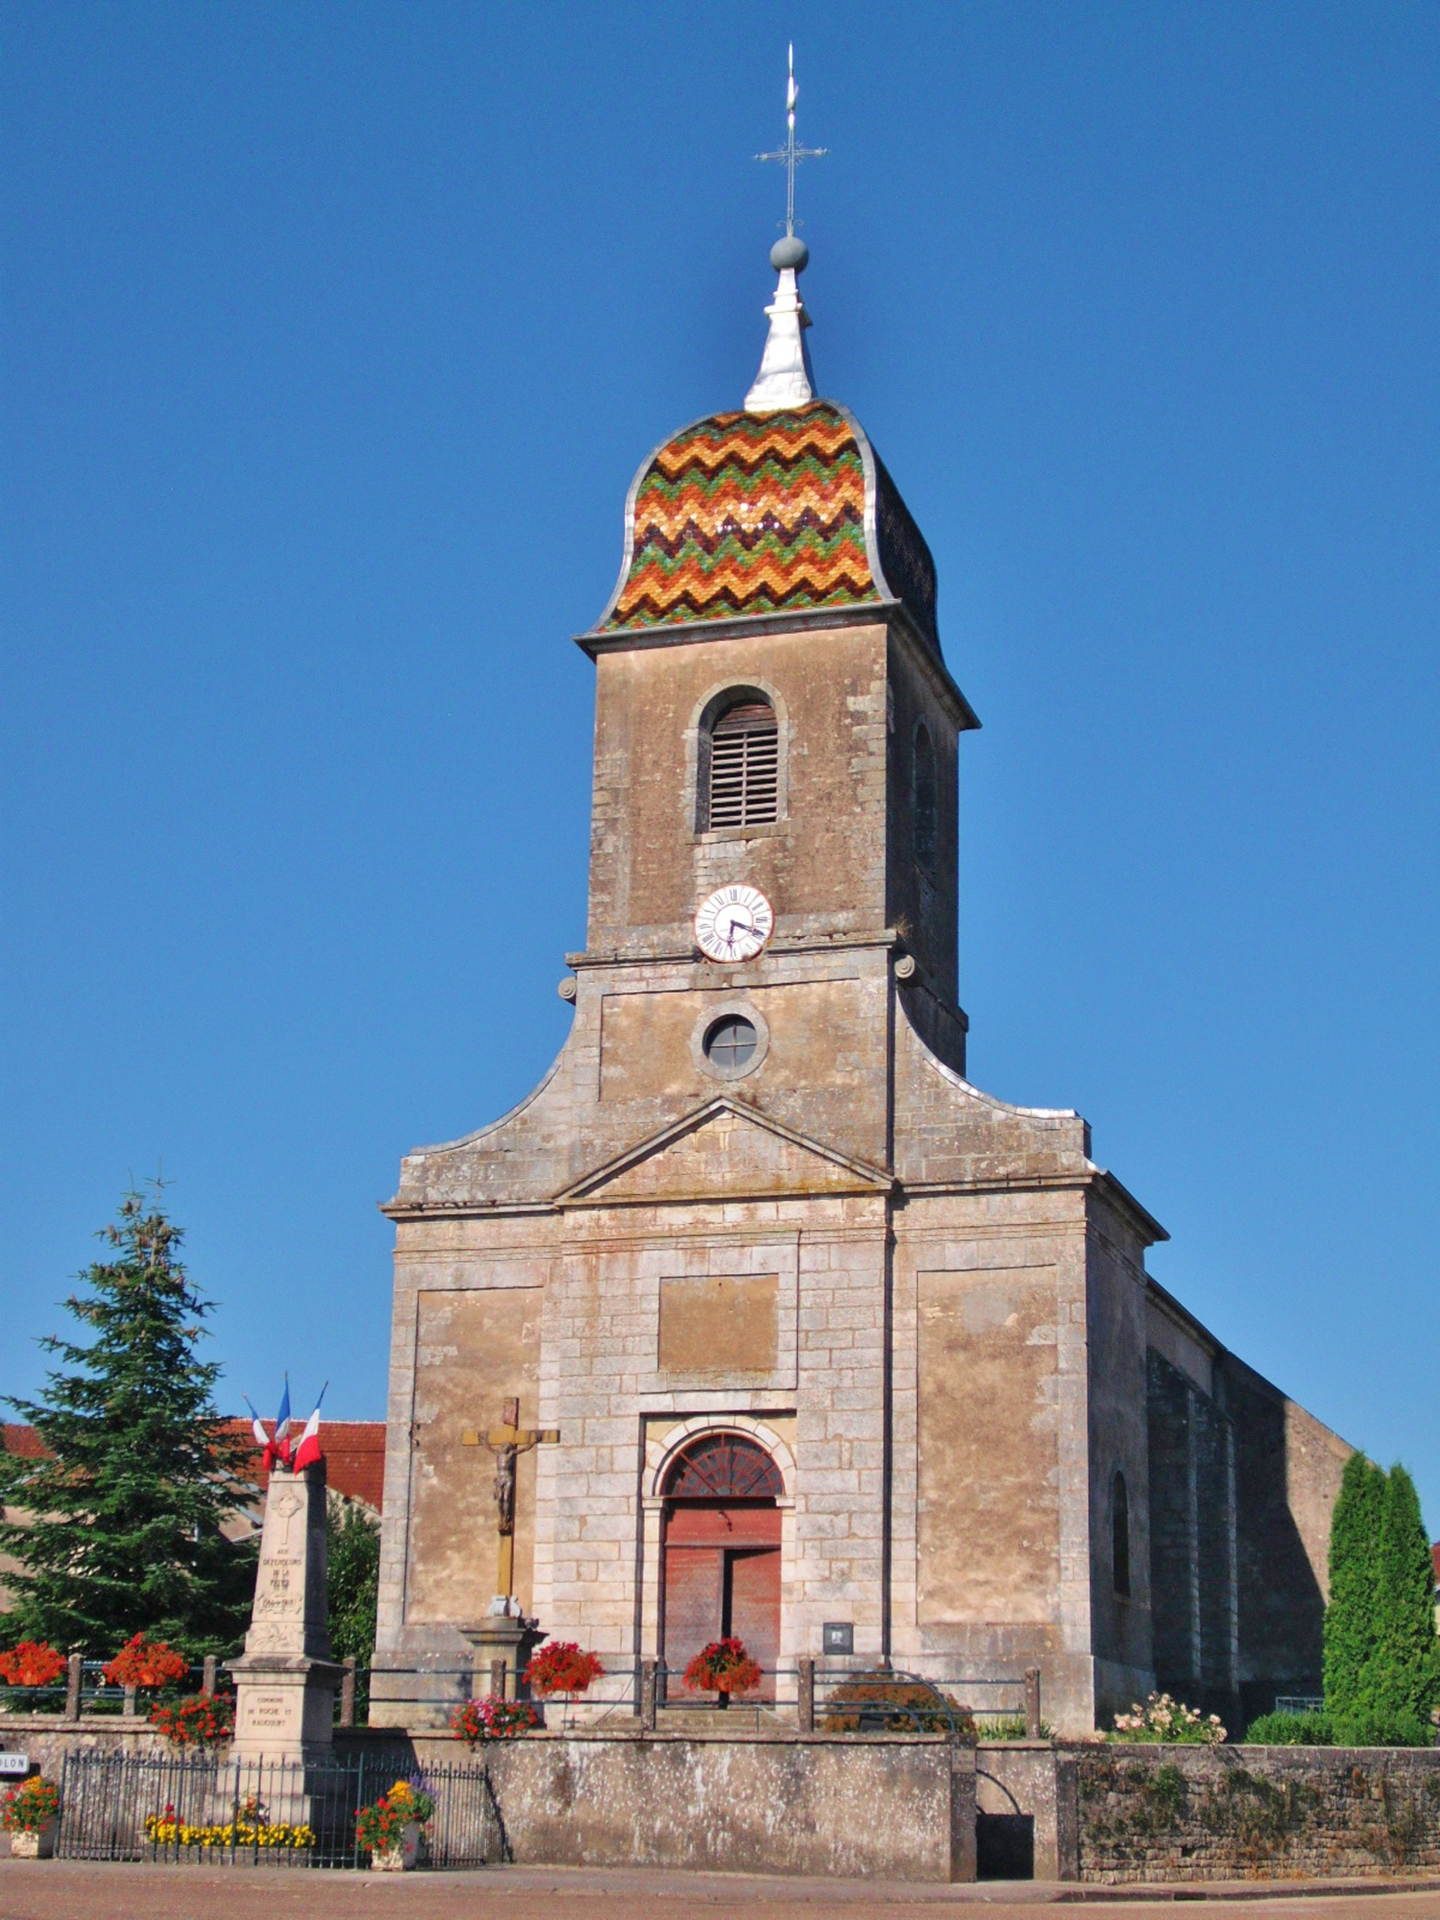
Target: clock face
x=734, y=924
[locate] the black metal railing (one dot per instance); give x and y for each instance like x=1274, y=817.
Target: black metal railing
x=812, y=1695
x=84, y=1690
x=282, y=1813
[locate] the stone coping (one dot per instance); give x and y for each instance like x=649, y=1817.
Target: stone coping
x=1148, y=1749
x=115, y=1724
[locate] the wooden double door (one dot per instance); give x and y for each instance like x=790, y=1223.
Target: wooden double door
x=722, y=1578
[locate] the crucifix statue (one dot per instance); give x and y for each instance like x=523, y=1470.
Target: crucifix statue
x=507, y=1442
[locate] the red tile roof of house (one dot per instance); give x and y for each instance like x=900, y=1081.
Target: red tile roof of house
x=354, y=1457
x=22, y=1441
x=354, y=1454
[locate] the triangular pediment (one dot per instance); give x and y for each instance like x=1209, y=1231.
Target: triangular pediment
x=724, y=1151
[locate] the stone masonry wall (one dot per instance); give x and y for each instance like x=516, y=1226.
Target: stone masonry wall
x=1192, y=1532
x=1195, y=1813
x=889, y=1807
x=893, y=1808
x=46, y=1739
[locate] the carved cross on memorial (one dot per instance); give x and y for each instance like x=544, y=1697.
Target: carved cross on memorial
x=507, y=1442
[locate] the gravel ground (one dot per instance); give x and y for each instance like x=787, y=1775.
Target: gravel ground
x=47, y=1890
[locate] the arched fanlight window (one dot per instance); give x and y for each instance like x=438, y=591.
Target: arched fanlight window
x=1120, y=1536
x=927, y=799
x=724, y=1466
x=740, y=763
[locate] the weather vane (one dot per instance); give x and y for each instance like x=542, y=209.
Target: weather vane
x=790, y=153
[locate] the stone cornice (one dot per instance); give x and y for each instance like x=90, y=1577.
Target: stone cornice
x=870, y=613
x=779, y=947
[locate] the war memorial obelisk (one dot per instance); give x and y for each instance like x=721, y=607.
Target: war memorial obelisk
x=285, y=1681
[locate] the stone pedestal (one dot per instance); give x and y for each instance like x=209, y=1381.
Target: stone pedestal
x=503, y=1642
x=285, y=1681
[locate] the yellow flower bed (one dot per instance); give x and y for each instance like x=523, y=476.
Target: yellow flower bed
x=164, y=1830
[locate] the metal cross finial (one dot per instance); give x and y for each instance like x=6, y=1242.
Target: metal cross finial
x=790, y=153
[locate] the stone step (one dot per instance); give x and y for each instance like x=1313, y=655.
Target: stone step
x=737, y=1720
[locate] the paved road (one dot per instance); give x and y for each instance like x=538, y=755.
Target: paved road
x=58, y=1890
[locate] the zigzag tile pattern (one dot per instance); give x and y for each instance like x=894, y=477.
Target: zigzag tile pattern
x=749, y=513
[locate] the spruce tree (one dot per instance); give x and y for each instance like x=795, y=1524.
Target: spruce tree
x=1404, y=1681
x=1351, y=1624
x=126, y=1508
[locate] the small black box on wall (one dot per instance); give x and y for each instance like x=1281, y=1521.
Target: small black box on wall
x=838, y=1636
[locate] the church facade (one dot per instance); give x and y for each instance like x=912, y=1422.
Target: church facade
x=810, y=1340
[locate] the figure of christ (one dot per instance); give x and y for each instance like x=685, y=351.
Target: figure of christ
x=507, y=1442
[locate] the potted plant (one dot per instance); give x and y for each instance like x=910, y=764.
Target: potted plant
x=392, y=1831
x=146, y=1663
x=724, y=1667
x=562, y=1668
x=201, y=1720
x=30, y=1814
x=492, y=1718
x=34, y=1663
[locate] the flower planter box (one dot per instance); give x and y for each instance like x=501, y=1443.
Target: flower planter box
x=402, y=1858
x=35, y=1843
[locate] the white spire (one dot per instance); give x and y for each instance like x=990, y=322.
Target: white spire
x=785, y=378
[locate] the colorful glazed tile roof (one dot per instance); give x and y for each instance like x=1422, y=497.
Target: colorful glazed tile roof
x=749, y=513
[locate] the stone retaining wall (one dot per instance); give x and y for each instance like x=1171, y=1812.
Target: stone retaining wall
x=872, y=1807
x=1199, y=1813
x=47, y=1738
x=898, y=1807
x=905, y=1806
x=1025, y=1810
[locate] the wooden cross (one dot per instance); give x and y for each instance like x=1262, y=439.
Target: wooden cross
x=507, y=1442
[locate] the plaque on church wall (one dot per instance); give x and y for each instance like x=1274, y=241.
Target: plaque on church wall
x=988, y=1433
x=720, y=1326
x=475, y=1349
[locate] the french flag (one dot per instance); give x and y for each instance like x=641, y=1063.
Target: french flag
x=308, y=1451
x=280, y=1439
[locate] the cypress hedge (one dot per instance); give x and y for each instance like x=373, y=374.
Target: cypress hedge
x=1382, y=1655
x=1351, y=1623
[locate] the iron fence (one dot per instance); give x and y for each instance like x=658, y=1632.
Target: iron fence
x=91, y=1692
x=283, y=1813
x=998, y=1706
x=889, y=1699
x=838, y=1697
x=84, y=1690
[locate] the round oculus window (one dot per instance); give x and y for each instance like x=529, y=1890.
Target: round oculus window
x=730, y=1044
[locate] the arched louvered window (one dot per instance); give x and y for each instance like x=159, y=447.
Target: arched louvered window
x=927, y=799
x=1120, y=1536
x=741, y=785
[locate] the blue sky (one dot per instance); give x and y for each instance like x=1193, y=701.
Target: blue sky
x=331, y=339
